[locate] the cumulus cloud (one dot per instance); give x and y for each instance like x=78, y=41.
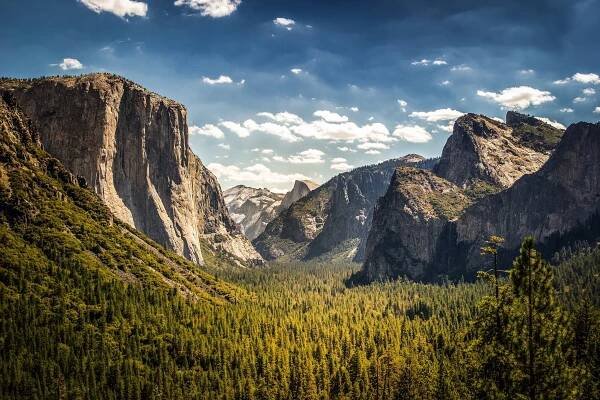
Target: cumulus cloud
x=207, y=130
x=270, y=128
x=287, y=23
x=236, y=128
x=520, y=97
x=527, y=71
x=354, y=109
x=597, y=110
x=445, y=83
x=579, y=99
x=589, y=91
x=579, y=77
x=69, y=64
x=442, y=114
x=550, y=122
x=121, y=8
x=211, y=8
x=346, y=149
x=340, y=164
x=425, y=62
x=310, y=156
x=412, y=133
x=566, y=110
x=283, y=117
x=224, y=146
x=329, y=116
x=296, y=71
x=257, y=173
x=372, y=152
x=221, y=80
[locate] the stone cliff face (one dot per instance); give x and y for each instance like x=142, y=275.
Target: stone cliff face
x=300, y=189
x=252, y=208
x=407, y=222
x=557, y=205
x=482, y=151
x=430, y=226
x=131, y=146
x=334, y=219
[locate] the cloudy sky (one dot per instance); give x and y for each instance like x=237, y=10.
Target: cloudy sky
x=279, y=90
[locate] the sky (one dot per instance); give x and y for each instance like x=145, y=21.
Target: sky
x=279, y=90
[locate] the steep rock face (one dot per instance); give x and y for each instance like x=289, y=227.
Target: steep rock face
x=300, y=189
x=481, y=158
x=131, y=146
x=558, y=204
x=332, y=220
x=407, y=222
x=252, y=208
x=485, y=154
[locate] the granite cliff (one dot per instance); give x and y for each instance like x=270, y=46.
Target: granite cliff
x=333, y=220
x=431, y=226
x=131, y=147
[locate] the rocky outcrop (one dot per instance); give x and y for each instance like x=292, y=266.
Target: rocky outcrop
x=300, y=189
x=252, y=208
x=333, y=220
x=557, y=204
x=408, y=220
x=131, y=146
x=484, y=152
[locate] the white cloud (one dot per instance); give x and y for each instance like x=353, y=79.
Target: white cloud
x=236, y=128
x=338, y=160
x=310, y=156
x=211, y=8
x=449, y=127
x=597, y=110
x=329, y=116
x=223, y=79
x=412, y=133
x=589, y=91
x=257, y=173
x=207, y=130
x=590, y=78
x=555, y=124
x=498, y=119
x=566, y=110
x=442, y=114
x=346, y=149
x=439, y=62
x=461, y=68
x=373, y=146
x=283, y=117
x=527, y=71
x=421, y=62
x=270, y=128
x=579, y=99
x=341, y=166
x=224, y=146
x=354, y=109
x=445, y=83
x=296, y=71
x=121, y=8
x=285, y=22
x=69, y=64
x=372, y=152
x=518, y=97
x=402, y=104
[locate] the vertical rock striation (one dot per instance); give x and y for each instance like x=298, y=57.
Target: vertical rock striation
x=131, y=146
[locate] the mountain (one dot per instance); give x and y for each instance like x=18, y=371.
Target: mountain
x=254, y=208
x=427, y=229
x=55, y=230
x=333, y=220
x=300, y=189
x=131, y=147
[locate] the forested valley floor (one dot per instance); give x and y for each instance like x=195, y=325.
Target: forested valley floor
x=301, y=334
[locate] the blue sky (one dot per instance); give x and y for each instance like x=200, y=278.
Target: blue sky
x=278, y=90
